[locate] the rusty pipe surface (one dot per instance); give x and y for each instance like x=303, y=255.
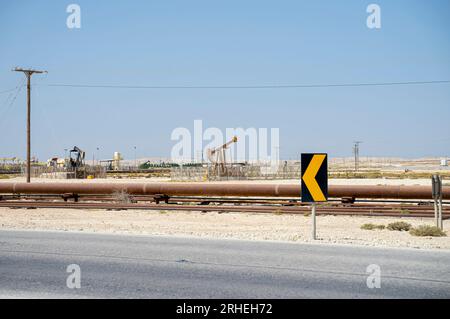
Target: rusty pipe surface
x=220, y=189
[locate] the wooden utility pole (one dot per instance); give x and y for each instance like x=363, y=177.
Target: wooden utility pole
x=28, y=73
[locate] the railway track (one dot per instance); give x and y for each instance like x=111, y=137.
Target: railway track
x=268, y=206
x=209, y=199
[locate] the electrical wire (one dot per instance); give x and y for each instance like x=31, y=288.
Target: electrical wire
x=293, y=86
x=10, y=90
x=18, y=88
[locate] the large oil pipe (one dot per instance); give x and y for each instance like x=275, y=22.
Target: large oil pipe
x=220, y=189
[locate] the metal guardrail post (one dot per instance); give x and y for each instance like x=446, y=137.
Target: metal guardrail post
x=436, y=189
x=441, y=224
x=435, y=201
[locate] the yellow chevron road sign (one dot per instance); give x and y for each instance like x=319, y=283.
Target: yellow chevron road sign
x=314, y=177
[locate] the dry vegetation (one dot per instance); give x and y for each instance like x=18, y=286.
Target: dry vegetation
x=122, y=197
x=370, y=226
x=420, y=230
x=426, y=230
x=399, y=226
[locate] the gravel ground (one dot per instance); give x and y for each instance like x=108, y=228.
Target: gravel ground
x=297, y=228
x=293, y=228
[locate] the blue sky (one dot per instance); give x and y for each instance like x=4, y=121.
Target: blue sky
x=230, y=43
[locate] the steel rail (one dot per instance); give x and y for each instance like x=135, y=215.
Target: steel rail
x=223, y=200
x=323, y=210
x=192, y=199
x=240, y=203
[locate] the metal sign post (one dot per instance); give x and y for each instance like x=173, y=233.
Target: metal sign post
x=313, y=215
x=436, y=190
x=314, y=182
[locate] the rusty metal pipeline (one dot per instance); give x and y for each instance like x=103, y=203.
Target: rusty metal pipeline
x=219, y=189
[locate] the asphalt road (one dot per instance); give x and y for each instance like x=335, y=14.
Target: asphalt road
x=33, y=265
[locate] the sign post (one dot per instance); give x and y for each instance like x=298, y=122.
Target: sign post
x=436, y=190
x=314, y=182
x=313, y=215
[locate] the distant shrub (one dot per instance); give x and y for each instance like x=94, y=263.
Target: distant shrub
x=370, y=226
x=399, y=226
x=278, y=212
x=426, y=230
x=121, y=197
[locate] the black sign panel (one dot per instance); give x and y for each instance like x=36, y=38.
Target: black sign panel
x=314, y=177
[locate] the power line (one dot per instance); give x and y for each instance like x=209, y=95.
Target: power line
x=293, y=86
x=10, y=90
x=9, y=101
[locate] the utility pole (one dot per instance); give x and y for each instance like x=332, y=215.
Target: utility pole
x=28, y=73
x=356, y=153
x=135, y=162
